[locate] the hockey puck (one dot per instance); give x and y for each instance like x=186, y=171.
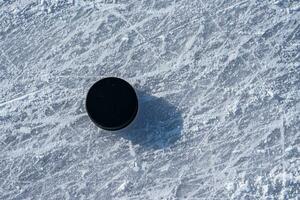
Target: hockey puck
x=112, y=103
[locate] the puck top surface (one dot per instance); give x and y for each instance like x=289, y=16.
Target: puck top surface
x=112, y=103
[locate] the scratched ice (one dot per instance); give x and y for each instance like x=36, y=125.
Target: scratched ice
x=219, y=87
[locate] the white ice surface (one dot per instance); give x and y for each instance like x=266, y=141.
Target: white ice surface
x=219, y=90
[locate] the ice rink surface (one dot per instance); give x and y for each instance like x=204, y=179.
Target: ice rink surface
x=219, y=90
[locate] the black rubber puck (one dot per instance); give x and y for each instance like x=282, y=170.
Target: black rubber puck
x=112, y=103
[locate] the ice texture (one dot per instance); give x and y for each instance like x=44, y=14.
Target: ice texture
x=219, y=90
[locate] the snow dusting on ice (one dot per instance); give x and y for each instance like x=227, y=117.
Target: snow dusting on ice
x=218, y=84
